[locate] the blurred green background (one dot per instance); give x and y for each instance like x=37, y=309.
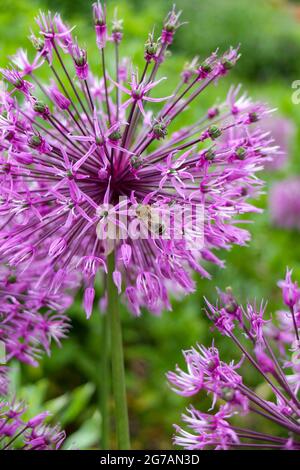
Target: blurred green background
x=66, y=383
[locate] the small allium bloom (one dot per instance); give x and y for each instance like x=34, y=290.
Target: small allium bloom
x=17, y=432
x=31, y=317
x=284, y=203
x=78, y=155
x=272, y=348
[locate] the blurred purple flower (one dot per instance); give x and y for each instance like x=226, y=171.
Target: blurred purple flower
x=284, y=203
x=283, y=132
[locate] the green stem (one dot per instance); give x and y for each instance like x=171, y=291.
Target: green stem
x=117, y=357
x=104, y=385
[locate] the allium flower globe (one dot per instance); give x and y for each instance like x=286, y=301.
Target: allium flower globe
x=84, y=149
x=271, y=347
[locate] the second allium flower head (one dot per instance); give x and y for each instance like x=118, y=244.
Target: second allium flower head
x=272, y=348
x=72, y=148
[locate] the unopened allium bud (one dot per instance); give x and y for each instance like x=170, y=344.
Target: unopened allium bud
x=159, y=130
x=204, y=70
x=209, y=155
x=227, y=64
x=290, y=290
x=240, y=153
x=213, y=112
x=59, y=99
x=135, y=161
x=35, y=140
x=170, y=25
x=80, y=62
x=151, y=48
x=253, y=117
x=41, y=108
x=39, y=143
x=88, y=300
x=115, y=135
x=99, y=13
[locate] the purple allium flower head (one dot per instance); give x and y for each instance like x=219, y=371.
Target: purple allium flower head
x=90, y=168
x=16, y=432
x=117, y=28
x=284, y=203
x=99, y=13
x=272, y=348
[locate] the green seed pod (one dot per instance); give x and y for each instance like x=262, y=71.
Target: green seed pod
x=40, y=107
x=35, y=140
x=214, y=132
x=240, y=153
x=253, y=117
x=116, y=135
x=209, y=155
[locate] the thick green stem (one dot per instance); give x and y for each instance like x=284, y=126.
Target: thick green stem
x=117, y=358
x=104, y=385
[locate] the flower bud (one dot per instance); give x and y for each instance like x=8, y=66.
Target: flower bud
x=59, y=99
x=150, y=48
x=214, y=132
x=37, y=420
x=99, y=14
x=117, y=29
x=35, y=140
x=213, y=112
x=135, y=161
x=240, y=153
x=253, y=117
x=88, y=301
x=115, y=135
x=159, y=130
x=209, y=155
x=40, y=108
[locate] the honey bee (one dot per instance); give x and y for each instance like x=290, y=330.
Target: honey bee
x=150, y=217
